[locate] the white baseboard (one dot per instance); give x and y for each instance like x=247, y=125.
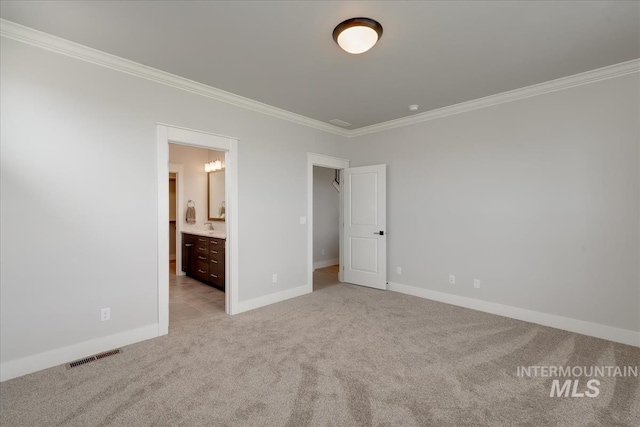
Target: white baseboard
x=37, y=362
x=597, y=330
x=272, y=298
x=326, y=263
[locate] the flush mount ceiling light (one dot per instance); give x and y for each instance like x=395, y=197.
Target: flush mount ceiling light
x=357, y=35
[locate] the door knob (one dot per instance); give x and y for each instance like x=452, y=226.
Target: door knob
x=379, y=232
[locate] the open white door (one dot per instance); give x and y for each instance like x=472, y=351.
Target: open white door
x=365, y=223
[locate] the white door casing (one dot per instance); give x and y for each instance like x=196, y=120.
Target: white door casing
x=178, y=169
x=166, y=134
x=365, y=224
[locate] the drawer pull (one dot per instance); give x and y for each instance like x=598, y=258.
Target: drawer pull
x=202, y=240
x=202, y=257
x=214, y=261
x=202, y=271
x=188, y=245
x=214, y=276
x=215, y=242
x=214, y=252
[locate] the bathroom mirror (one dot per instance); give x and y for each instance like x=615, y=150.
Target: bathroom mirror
x=216, y=196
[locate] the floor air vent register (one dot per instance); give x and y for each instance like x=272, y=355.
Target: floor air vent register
x=93, y=358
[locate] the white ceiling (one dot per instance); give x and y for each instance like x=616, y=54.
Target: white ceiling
x=282, y=53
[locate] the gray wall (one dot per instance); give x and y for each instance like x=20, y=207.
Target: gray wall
x=538, y=198
x=326, y=216
x=79, y=195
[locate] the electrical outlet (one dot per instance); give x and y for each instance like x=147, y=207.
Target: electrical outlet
x=105, y=314
x=274, y=279
x=303, y=220
x=452, y=279
x=476, y=283
x=399, y=270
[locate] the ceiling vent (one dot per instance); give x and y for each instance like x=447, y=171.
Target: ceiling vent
x=340, y=123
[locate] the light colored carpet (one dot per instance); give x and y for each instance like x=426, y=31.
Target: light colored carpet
x=341, y=356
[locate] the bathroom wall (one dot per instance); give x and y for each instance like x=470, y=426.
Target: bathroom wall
x=195, y=180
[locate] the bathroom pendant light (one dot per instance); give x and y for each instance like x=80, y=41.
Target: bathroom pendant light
x=357, y=35
x=208, y=166
x=213, y=166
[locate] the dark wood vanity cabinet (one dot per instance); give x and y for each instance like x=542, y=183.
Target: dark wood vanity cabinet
x=203, y=259
x=188, y=253
x=216, y=262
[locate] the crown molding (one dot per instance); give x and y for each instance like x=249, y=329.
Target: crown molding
x=587, y=77
x=28, y=35
x=65, y=47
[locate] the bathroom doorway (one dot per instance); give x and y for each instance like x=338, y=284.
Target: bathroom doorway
x=227, y=147
x=196, y=219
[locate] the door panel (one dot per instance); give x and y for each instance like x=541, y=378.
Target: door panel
x=364, y=254
x=364, y=199
x=365, y=240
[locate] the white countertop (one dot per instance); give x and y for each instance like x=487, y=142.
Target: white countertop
x=219, y=234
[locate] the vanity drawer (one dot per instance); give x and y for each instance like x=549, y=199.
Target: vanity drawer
x=202, y=257
x=202, y=271
x=217, y=255
x=215, y=243
x=202, y=244
x=216, y=266
x=217, y=280
x=217, y=263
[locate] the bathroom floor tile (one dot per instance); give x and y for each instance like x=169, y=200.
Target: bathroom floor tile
x=191, y=301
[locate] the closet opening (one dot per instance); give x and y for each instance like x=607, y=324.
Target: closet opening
x=324, y=210
x=326, y=227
